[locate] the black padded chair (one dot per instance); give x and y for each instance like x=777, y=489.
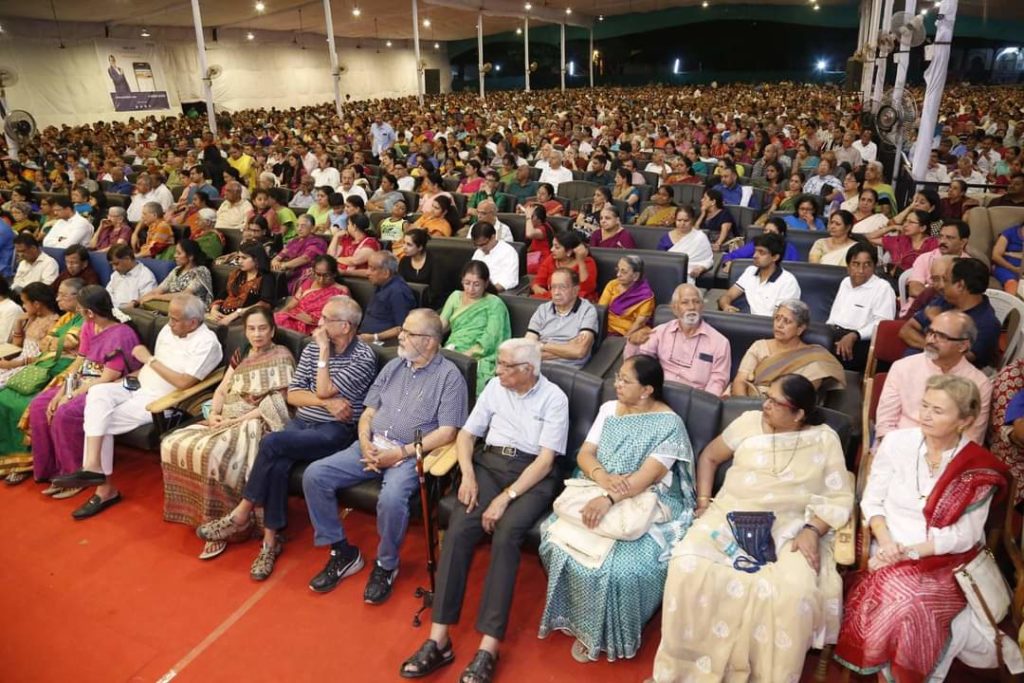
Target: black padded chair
x=802, y=240
x=647, y=238
x=663, y=271
x=450, y=254
x=516, y=223
x=818, y=283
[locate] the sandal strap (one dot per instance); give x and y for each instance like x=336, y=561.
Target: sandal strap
x=427, y=657
x=480, y=669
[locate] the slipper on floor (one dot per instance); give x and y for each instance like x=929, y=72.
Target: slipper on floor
x=212, y=549
x=68, y=493
x=51, y=489
x=95, y=505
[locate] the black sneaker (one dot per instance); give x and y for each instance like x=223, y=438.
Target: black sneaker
x=338, y=567
x=378, y=588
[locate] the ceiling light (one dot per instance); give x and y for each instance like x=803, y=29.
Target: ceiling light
x=260, y=6
x=600, y=17
x=145, y=33
x=519, y=31
x=528, y=7
x=704, y=4
x=356, y=11
x=437, y=46
x=249, y=36
x=817, y=7
x=568, y=10
x=387, y=44
x=924, y=11
x=426, y=23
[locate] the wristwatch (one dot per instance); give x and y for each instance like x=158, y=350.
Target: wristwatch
x=913, y=554
x=321, y=364
x=512, y=495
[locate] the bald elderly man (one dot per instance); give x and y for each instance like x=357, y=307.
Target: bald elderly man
x=691, y=352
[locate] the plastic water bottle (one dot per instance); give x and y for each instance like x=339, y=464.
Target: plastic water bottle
x=725, y=544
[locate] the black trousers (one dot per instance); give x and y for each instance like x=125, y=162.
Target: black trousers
x=494, y=473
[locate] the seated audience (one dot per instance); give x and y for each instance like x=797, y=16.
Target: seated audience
x=129, y=279
x=763, y=285
x=823, y=183
x=567, y=251
x=1006, y=257
x=205, y=235
x=416, y=265
x=206, y=465
x=302, y=311
x=690, y=351
x=786, y=353
x=1014, y=195
x=684, y=239
x=476, y=320
x=589, y=217
x=831, y=250
x=522, y=414
x=159, y=234
x=55, y=415
x=624, y=191
x=332, y=378
x=353, y=246
x=956, y=203
x=394, y=226
x=629, y=298
x=255, y=231
x=251, y=284
x=539, y=234
x=863, y=301
x=146, y=194
x=953, y=237
x=186, y=351
x=440, y=218
x=949, y=339
x=501, y=257
x=1006, y=426
x=386, y=196
x=391, y=301
x=385, y=451
x=761, y=623
x=772, y=225
x=189, y=275
x=611, y=234
x=806, y=215
x=10, y=310
x=636, y=444
x=868, y=217
x=113, y=230
x=21, y=212
x=71, y=227
x=903, y=249
x=554, y=175
x=662, y=212
x=305, y=194
x=34, y=265
x=233, y=211
x=926, y=502
x=965, y=291
x=715, y=220
x=296, y=259
x=568, y=328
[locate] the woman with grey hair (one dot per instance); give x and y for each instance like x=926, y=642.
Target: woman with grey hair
x=202, y=233
x=114, y=229
x=629, y=298
x=786, y=353
x=159, y=234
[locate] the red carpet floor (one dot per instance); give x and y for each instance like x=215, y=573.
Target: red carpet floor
x=122, y=597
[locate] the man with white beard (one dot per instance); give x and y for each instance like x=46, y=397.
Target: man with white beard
x=690, y=351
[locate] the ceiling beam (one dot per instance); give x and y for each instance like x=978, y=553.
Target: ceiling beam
x=512, y=8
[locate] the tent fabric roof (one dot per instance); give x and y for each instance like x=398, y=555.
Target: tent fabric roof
x=391, y=18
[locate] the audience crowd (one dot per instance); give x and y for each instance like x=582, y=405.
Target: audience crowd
x=303, y=225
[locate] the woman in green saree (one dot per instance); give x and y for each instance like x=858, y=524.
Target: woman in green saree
x=15, y=460
x=477, y=321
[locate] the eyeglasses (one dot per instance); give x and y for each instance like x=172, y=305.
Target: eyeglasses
x=335, y=320
x=942, y=336
x=502, y=365
x=779, y=403
x=409, y=333
x=323, y=274
x=619, y=379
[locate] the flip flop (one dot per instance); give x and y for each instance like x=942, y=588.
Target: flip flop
x=95, y=505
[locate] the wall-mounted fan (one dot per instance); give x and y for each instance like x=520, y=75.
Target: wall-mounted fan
x=534, y=66
x=893, y=122
x=486, y=67
x=213, y=72
x=19, y=126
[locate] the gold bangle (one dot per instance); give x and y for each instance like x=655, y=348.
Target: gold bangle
x=707, y=498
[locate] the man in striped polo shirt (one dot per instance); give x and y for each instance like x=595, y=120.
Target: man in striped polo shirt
x=328, y=387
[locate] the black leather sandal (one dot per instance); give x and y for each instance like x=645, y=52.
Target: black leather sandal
x=481, y=669
x=428, y=659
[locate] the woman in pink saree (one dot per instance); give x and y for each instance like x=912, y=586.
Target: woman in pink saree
x=301, y=312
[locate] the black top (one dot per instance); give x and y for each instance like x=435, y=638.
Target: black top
x=423, y=276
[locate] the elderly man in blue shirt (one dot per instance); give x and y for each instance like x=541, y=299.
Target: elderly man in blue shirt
x=507, y=486
x=421, y=390
x=391, y=302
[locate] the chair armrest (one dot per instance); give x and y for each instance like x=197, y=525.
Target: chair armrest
x=181, y=395
x=440, y=461
x=606, y=357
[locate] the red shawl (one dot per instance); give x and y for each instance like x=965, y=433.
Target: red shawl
x=901, y=615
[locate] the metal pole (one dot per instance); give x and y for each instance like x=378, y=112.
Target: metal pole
x=480, y=50
x=416, y=48
x=591, y=58
x=862, y=29
x=883, y=63
x=902, y=62
x=935, y=83
x=563, y=57
x=335, y=74
x=526, y=50
x=870, y=51
x=197, y=19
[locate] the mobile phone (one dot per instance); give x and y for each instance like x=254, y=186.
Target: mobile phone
x=131, y=383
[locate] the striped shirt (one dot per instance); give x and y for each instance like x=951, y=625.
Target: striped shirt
x=407, y=399
x=351, y=372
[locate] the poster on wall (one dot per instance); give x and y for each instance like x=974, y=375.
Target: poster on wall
x=134, y=75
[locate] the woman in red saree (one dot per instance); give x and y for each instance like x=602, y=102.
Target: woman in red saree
x=926, y=502
x=301, y=311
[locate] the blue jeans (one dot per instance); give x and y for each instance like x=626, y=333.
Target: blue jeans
x=324, y=478
x=301, y=441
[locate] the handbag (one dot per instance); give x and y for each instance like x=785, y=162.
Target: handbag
x=986, y=591
x=626, y=520
x=32, y=379
x=753, y=534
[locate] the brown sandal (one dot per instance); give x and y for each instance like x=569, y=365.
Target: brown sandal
x=222, y=529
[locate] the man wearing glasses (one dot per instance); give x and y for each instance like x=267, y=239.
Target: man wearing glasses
x=965, y=291
x=947, y=342
x=420, y=391
x=567, y=327
x=507, y=485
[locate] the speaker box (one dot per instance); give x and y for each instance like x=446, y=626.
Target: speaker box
x=854, y=74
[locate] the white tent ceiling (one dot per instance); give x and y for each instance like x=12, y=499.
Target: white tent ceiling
x=387, y=18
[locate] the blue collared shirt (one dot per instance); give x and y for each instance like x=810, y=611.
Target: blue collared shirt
x=408, y=398
x=389, y=306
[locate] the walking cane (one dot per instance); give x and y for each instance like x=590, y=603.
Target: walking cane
x=429, y=528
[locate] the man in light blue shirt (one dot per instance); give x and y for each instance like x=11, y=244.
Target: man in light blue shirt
x=382, y=135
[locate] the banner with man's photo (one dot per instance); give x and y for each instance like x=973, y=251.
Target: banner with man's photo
x=134, y=75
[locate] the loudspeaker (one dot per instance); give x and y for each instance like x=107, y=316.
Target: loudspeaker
x=854, y=74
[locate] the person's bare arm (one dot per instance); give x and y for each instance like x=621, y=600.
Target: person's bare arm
x=912, y=334
x=725, y=301
x=714, y=454
x=576, y=348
